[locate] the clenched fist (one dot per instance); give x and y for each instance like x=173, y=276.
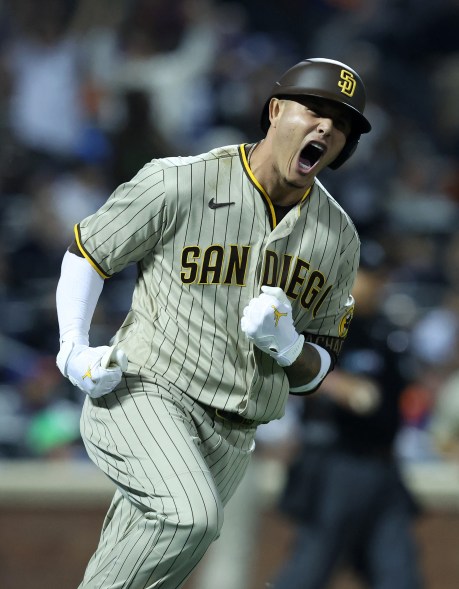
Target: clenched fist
x=267, y=322
x=96, y=371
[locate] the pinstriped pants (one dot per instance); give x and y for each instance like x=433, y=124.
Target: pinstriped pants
x=175, y=468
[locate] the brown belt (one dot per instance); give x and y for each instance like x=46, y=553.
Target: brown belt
x=231, y=416
x=236, y=418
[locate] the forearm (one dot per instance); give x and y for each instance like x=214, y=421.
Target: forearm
x=309, y=369
x=96, y=371
x=77, y=294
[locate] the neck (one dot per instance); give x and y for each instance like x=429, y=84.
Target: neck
x=279, y=190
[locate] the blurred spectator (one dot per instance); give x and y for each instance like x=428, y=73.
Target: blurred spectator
x=42, y=59
x=40, y=419
x=172, y=74
x=137, y=140
x=435, y=336
x=414, y=443
x=444, y=421
x=344, y=491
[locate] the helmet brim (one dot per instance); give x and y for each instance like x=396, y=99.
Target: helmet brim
x=359, y=123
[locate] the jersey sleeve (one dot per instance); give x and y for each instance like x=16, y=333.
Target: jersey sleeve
x=330, y=325
x=128, y=226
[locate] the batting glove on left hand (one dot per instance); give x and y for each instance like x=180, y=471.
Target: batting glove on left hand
x=96, y=371
x=267, y=322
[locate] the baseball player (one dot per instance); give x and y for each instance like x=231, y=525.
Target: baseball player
x=245, y=267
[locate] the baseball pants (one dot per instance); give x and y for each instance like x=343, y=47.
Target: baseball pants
x=175, y=467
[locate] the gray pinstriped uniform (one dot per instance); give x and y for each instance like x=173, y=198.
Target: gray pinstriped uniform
x=157, y=436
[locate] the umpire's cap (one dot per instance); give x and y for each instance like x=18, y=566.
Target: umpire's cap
x=331, y=80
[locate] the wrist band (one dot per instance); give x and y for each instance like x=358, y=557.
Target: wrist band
x=288, y=357
x=63, y=356
x=325, y=362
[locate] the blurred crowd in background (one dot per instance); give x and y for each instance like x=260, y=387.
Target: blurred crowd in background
x=92, y=90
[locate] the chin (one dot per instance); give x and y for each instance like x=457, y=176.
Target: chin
x=306, y=180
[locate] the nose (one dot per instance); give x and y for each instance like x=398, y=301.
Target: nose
x=325, y=126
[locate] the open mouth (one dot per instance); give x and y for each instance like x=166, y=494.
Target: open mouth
x=310, y=155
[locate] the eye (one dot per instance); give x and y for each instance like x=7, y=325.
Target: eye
x=312, y=111
x=342, y=124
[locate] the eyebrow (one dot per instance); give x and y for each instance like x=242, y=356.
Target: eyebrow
x=326, y=107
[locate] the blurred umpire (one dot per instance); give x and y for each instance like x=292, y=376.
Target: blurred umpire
x=344, y=489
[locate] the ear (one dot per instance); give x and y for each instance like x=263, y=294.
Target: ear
x=275, y=110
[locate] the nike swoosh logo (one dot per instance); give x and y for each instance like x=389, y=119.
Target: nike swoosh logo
x=217, y=205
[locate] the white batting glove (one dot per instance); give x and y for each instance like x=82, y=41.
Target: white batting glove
x=96, y=371
x=267, y=322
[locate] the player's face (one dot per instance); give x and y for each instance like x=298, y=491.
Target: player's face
x=308, y=136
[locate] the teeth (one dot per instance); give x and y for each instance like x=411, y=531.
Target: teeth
x=305, y=167
x=318, y=146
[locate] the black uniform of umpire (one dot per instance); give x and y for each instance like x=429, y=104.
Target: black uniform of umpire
x=344, y=490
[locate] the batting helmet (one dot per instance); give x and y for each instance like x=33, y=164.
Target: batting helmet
x=331, y=80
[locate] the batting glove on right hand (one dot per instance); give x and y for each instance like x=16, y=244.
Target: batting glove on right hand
x=96, y=371
x=267, y=322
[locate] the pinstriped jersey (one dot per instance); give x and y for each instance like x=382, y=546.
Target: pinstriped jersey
x=205, y=237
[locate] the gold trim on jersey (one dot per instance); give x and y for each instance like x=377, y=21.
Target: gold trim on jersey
x=257, y=184
x=86, y=255
x=303, y=198
x=262, y=190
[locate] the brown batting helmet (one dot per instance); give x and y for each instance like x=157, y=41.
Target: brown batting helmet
x=330, y=80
